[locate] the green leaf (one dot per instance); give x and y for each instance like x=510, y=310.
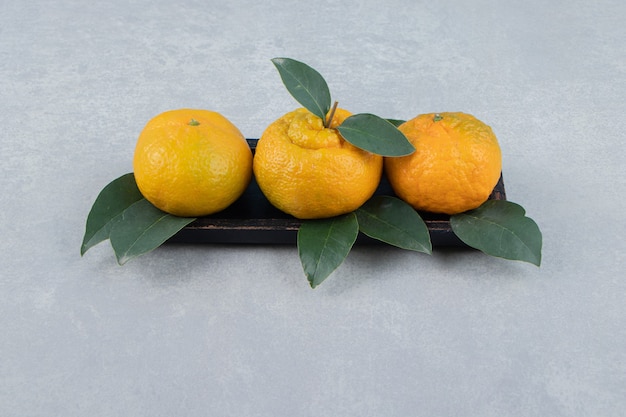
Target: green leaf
x=141, y=228
x=305, y=84
x=396, y=122
x=116, y=197
x=323, y=245
x=500, y=228
x=376, y=135
x=393, y=221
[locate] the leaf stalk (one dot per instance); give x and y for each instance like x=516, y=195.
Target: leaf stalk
x=329, y=119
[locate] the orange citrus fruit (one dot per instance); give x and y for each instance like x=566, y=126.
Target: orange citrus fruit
x=310, y=171
x=456, y=164
x=192, y=163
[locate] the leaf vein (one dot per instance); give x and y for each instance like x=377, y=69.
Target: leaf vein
x=503, y=228
x=144, y=232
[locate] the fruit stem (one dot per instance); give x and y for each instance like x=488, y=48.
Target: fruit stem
x=193, y=122
x=437, y=117
x=331, y=115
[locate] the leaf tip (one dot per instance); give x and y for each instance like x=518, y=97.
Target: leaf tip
x=88, y=244
x=122, y=259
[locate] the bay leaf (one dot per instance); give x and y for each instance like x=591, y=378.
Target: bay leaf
x=305, y=84
x=116, y=197
x=393, y=221
x=142, y=228
x=323, y=244
x=375, y=134
x=500, y=228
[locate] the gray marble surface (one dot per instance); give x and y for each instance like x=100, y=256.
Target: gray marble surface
x=220, y=330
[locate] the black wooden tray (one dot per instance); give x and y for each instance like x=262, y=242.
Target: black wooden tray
x=252, y=219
